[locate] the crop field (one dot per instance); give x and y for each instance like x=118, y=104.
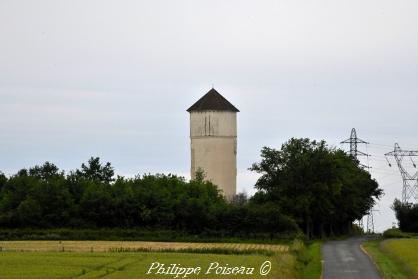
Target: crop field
x=404, y=250
x=92, y=259
x=109, y=246
x=396, y=258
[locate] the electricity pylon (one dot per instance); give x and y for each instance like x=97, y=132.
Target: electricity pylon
x=354, y=153
x=370, y=221
x=410, y=182
x=353, y=141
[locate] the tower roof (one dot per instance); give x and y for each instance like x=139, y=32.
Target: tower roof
x=212, y=101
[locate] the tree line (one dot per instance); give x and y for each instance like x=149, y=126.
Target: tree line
x=91, y=197
x=305, y=186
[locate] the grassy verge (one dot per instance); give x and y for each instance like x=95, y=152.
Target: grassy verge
x=308, y=257
x=395, y=259
x=313, y=269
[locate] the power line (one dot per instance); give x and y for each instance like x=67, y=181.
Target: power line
x=383, y=146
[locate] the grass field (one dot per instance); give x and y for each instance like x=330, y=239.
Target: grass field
x=91, y=259
x=395, y=258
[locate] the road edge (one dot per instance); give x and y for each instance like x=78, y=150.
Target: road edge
x=372, y=260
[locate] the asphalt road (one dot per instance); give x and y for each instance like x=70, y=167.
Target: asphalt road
x=343, y=259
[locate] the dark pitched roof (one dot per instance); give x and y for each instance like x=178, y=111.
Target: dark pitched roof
x=212, y=101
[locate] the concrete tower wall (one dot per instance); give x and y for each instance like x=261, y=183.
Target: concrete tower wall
x=214, y=147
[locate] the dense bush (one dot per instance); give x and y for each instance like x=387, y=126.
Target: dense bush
x=394, y=233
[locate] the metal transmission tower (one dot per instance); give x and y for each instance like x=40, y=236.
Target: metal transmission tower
x=410, y=182
x=370, y=221
x=354, y=153
x=353, y=141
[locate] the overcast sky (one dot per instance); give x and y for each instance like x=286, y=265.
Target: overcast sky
x=114, y=79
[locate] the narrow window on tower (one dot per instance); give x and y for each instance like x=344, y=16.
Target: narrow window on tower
x=235, y=146
x=209, y=127
x=205, y=125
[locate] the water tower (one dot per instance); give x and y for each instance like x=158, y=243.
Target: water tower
x=213, y=135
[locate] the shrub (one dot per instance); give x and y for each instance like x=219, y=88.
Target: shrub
x=394, y=233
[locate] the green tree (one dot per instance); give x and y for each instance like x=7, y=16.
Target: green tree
x=15, y=191
x=46, y=171
x=407, y=215
x=94, y=170
x=29, y=212
x=3, y=180
x=200, y=175
x=55, y=201
x=198, y=205
x=322, y=188
x=96, y=205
